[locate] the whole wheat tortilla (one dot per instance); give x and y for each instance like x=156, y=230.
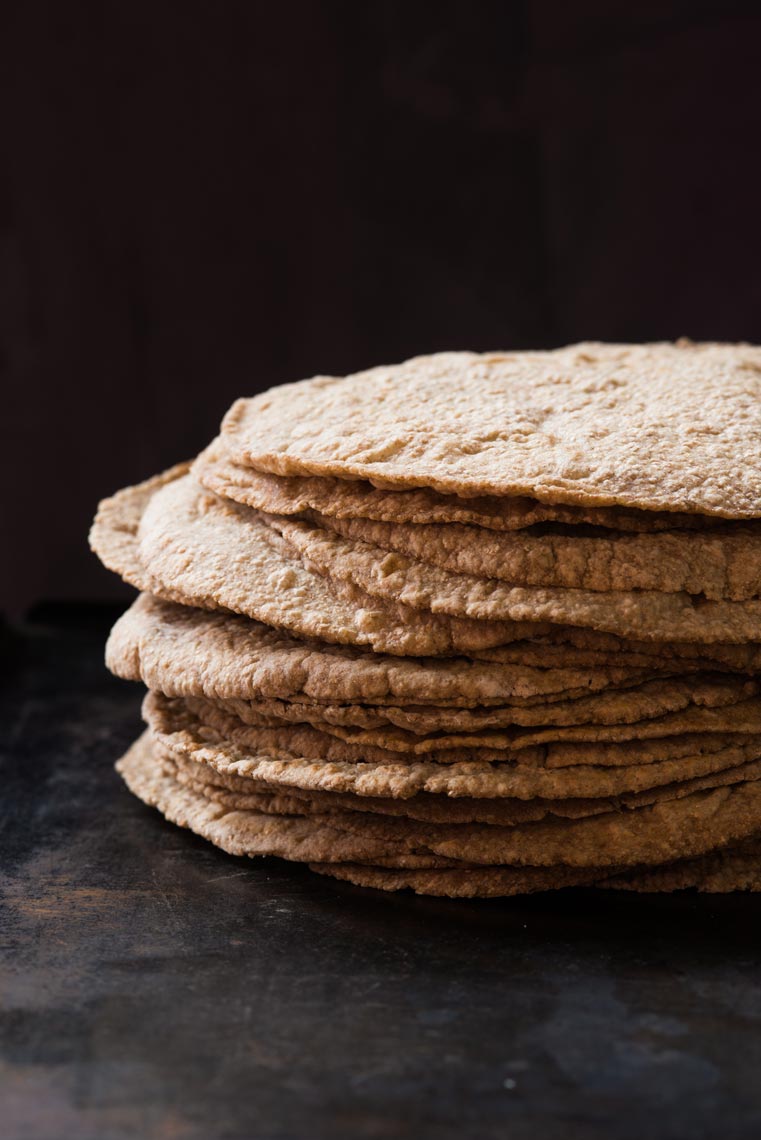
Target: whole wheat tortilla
x=643, y=614
x=625, y=753
x=655, y=427
x=642, y=836
x=716, y=565
x=666, y=657
x=306, y=740
x=731, y=869
x=492, y=882
x=201, y=550
x=242, y=832
x=231, y=747
x=665, y=831
x=649, y=701
x=243, y=793
x=276, y=799
x=256, y=833
x=302, y=739
x=183, y=651
x=293, y=837
x=113, y=537
x=741, y=718
x=240, y=792
x=735, y=658
x=113, y=534
x=718, y=872
x=216, y=470
x=199, y=556
x=245, y=657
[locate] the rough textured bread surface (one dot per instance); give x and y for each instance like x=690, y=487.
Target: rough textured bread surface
x=181, y=650
x=358, y=499
x=647, y=702
x=237, y=791
x=649, y=615
x=493, y=882
x=657, y=427
x=165, y=537
x=740, y=718
x=717, y=565
x=500, y=748
x=729, y=869
x=113, y=535
x=201, y=550
x=244, y=792
x=232, y=747
x=559, y=651
x=677, y=828
x=252, y=832
x=663, y=832
x=246, y=832
x=721, y=872
x=242, y=657
x=195, y=548
x=732, y=869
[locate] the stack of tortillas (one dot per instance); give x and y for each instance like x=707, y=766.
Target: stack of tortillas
x=472, y=624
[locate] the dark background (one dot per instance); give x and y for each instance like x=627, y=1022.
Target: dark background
x=200, y=200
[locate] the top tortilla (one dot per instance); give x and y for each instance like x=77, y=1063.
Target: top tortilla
x=658, y=427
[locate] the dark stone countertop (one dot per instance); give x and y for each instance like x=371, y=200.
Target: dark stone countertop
x=153, y=986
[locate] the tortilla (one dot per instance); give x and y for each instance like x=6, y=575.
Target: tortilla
x=216, y=470
x=233, y=748
x=185, y=651
x=648, y=615
x=718, y=566
x=567, y=426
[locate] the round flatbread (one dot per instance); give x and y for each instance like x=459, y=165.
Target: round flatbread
x=182, y=545
x=718, y=872
x=491, y=882
x=320, y=744
x=247, y=832
x=716, y=565
x=234, y=749
x=457, y=727
x=183, y=651
x=648, y=615
x=665, y=427
x=359, y=499
x=235, y=792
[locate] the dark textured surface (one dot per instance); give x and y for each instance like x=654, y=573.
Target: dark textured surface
x=153, y=986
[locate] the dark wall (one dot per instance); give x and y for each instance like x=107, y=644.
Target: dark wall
x=200, y=200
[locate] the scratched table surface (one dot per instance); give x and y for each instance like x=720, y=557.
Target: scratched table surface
x=153, y=986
